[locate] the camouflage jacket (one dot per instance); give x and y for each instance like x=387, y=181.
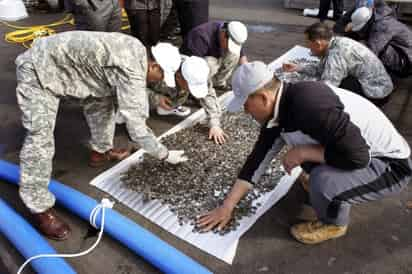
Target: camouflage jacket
x=84, y=64
x=346, y=57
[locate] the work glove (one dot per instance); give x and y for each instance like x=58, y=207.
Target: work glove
x=176, y=156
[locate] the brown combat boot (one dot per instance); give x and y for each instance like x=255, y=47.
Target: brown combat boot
x=51, y=225
x=99, y=159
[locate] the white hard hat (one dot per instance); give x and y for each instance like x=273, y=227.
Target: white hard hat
x=195, y=71
x=360, y=17
x=168, y=57
x=237, y=32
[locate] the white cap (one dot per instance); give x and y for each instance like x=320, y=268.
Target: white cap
x=360, y=17
x=247, y=79
x=195, y=71
x=168, y=57
x=237, y=36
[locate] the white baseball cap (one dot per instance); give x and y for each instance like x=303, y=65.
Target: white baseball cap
x=360, y=17
x=247, y=79
x=237, y=32
x=195, y=71
x=168, y=57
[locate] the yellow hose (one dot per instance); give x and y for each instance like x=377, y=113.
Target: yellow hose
x=25, y=35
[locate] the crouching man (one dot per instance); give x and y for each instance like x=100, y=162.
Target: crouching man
x=105, y=69
x=351, y=150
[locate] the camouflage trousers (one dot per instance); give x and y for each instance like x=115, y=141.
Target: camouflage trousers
x=100, y=114
x=221, y=69
x=39, y=108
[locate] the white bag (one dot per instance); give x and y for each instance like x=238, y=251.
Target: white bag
x=12, y=10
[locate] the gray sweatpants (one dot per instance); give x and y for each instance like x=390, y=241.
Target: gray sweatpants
x=333, y=191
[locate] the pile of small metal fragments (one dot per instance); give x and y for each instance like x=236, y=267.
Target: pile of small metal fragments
x=293, y=77
x=201, y=184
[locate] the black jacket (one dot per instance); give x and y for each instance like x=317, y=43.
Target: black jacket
x=350, y=128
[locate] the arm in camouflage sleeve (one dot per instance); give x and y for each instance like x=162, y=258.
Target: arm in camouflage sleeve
x=312, y=69
x=212, y=108
x=134, y=107
x=154, y=98
x=335, y=69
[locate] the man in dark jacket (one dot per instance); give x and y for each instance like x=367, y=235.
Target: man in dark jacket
x=349, y=147
x=379, y=7
x=388, y=38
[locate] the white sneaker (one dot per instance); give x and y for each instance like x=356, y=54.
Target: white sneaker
x=178, y=111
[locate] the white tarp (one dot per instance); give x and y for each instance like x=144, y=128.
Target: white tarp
x=222, y=247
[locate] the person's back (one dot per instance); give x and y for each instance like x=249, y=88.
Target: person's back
x=203, y=40
x=347, y=57
x=391, y=40
x=79, y=63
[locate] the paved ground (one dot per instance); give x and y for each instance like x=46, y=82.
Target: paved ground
x=379, y=239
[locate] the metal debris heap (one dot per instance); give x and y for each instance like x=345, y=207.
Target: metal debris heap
x=201, y=184
x=293, y=77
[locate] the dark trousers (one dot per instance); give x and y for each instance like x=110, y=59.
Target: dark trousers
x=170, y=25
x=324, y=6
x=353, y=84
x=145, y=25
x=191, y=14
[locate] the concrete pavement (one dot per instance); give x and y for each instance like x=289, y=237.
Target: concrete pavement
x=379, y=238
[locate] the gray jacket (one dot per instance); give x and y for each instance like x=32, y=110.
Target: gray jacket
x=391, y=41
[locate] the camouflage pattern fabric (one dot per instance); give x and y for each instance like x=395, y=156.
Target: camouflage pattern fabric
x=221, y=71
x=346, y=57
x=104, y=69
x=39, y=108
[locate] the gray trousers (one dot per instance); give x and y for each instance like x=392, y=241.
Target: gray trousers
x=333, y=191
x=96, y=15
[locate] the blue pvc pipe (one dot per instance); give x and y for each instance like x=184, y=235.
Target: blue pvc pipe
x=29, y=242
x=157, y=252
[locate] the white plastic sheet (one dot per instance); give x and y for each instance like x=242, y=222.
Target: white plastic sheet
x=222, y=247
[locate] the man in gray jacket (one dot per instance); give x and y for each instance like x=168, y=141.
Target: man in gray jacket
x=104, y=69
x=388, y=38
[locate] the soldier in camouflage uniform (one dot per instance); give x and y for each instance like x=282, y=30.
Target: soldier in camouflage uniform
x=96, y=15
x=345, y=63
x=103, y=69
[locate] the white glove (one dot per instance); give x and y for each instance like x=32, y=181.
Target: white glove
x=176, y=157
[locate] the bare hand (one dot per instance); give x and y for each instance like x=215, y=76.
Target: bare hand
x=290, y=67
x=243, y=60
x=293, y=158
x=218, y=217
x=165, y=103
x=348, y=27
x=218, y=135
